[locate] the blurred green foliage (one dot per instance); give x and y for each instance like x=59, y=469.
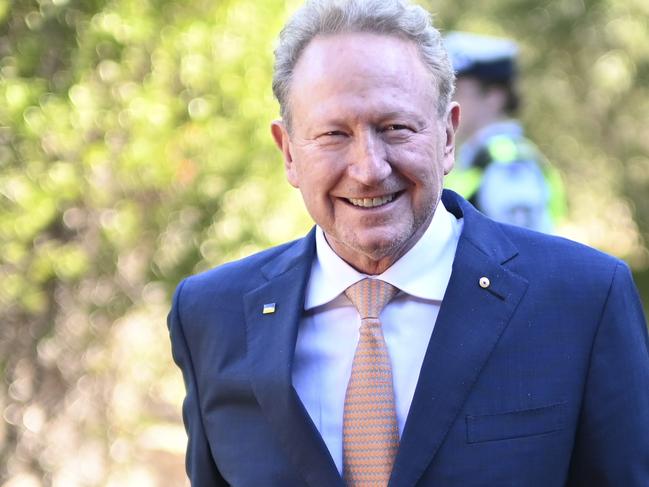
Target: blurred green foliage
x=134, y=150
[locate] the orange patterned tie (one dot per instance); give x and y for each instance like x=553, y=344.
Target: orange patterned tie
x=370, y=430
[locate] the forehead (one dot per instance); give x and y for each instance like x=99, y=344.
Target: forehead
x=379, y=68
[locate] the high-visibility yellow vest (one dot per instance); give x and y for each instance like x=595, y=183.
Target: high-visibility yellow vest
x=505, y=149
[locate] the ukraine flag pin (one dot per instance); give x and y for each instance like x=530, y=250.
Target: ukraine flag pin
x=268, y=308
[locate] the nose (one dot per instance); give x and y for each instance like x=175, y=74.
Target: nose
x=369, y=163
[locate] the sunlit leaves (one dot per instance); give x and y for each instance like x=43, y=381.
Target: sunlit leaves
x=135, y=151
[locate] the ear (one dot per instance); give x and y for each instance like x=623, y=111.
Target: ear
x=451, y=123
x=283, y=142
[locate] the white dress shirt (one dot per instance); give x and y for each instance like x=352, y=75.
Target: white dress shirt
x=328, y=331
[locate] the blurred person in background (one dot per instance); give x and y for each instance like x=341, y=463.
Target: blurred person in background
x=497, y=168
x=407, y=339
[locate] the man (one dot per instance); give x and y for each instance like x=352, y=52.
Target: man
x=500, y=171
x=503, y=357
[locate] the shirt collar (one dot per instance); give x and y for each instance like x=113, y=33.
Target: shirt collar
x=423, y=272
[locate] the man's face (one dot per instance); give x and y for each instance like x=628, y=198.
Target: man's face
x=480, y=106
x=367, y=149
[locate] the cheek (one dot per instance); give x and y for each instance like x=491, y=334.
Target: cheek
x=317, y=178
x=420, y=163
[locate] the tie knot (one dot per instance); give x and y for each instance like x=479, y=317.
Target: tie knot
x=370, y=296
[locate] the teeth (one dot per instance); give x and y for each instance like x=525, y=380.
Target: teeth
x=371, y=202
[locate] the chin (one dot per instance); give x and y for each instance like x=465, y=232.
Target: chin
x=383, y=248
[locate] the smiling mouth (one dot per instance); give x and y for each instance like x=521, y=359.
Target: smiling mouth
x=373, y=202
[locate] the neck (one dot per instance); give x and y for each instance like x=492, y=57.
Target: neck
x=375, y=261
x=481, y=125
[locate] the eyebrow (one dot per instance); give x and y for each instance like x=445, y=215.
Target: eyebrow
x=405, y=115
x=402, y=114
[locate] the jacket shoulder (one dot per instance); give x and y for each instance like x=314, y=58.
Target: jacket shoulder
x=226, y=283
x=562, y=260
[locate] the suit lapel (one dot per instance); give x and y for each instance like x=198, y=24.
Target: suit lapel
x=271, y=346
x=471, y=320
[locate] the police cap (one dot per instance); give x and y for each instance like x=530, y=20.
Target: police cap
x=485, y=57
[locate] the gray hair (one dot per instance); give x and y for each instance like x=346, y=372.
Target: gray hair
x=391, y=17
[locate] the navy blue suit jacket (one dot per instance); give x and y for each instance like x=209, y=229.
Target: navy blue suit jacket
x=542, y=379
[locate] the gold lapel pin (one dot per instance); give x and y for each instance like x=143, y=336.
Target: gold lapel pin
x=268, y=309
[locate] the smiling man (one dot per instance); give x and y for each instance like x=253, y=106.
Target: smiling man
x=368, y=144
x=407, y=340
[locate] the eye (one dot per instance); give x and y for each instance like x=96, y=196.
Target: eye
x=334, y=133
x=395, y=127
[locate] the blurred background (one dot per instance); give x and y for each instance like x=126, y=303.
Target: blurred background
x=135, y=150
